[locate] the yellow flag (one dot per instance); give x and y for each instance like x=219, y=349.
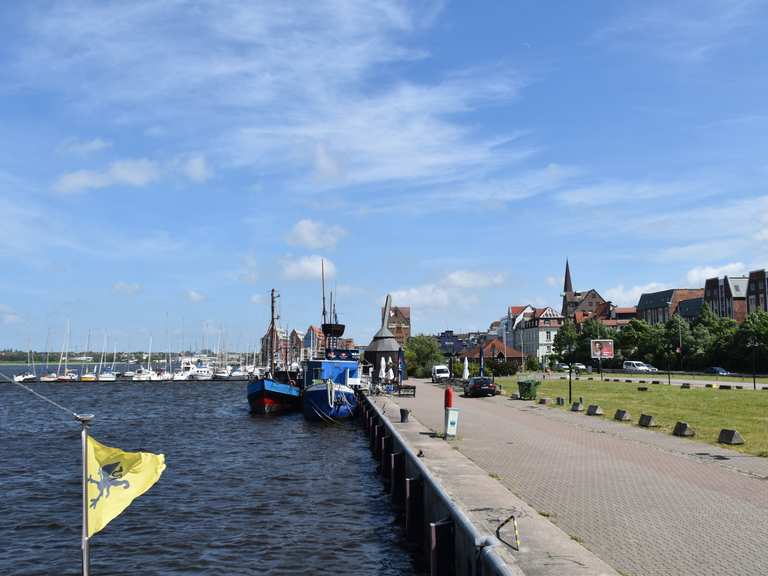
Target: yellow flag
x=115, y=478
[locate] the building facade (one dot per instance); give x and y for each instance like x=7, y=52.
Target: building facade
x=757, y=291
x=727, y=296
x=535, y=335
x=399, y=323
x=658, y=307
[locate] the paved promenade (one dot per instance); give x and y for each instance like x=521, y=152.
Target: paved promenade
x=646, y=503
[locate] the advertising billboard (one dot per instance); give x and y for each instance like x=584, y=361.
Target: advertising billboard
x=601, y=348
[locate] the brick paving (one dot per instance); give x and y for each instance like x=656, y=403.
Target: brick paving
x=646, y=503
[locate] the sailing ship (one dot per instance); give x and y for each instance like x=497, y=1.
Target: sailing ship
x=68, y=375
x=278, y=389
x=29, y=374
x=329, y=383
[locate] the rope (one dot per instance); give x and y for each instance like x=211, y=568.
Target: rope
x=69, y=411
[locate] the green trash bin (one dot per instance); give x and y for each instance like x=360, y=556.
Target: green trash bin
x=528, y=389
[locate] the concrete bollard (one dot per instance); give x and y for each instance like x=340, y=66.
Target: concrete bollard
x=682, y=429
x=725, y=386
x=560, y=401
x=642, y=388
x=441, y=553
x=685, y=386
x=544, y=400
x=655, y=382
x=594, y=410
x=739, y=387
x=728, y=436
x=647, y=421
x=404, y=413
x=622, y=415
x=577, y=407
x=708, y=386
x=385, y=460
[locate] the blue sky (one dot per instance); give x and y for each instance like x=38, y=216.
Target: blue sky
x=164, y=164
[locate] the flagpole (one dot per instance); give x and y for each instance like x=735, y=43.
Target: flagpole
x=85, y=421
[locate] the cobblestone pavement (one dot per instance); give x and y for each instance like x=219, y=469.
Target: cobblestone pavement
x=646, y=503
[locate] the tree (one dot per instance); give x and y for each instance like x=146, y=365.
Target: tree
x=532, y=363
x=421, y=353
x=566, y=337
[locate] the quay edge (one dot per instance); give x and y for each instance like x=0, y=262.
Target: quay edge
x=452, y=508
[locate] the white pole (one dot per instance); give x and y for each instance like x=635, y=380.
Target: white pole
x=85, y=420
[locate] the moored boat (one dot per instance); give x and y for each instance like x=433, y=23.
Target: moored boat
x=278, y=389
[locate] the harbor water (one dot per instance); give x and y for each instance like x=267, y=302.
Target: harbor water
x=241, y=494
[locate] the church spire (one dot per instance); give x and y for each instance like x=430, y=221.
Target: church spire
x=567, y=286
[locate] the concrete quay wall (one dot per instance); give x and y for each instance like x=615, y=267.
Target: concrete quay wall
x=465, y=522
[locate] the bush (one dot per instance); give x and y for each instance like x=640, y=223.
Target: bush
x=532, y=364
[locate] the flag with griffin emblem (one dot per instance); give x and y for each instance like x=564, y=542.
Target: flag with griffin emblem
x=115, y=478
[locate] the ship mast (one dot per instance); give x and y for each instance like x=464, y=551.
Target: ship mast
x=273, y=332
x=322, y=280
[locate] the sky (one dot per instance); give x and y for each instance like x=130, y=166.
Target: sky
x=163, y=165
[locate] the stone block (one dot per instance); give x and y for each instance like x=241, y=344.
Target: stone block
x=563, y=378
x=739, y=387
x=616, y=380
x=622, y=415
x=642, y=388
x=590, y=378
x=544, y=400
x=560, y=401
x=577, y=407
x=725, y=386
x=594, y=410
x=515, y=396
x=730, y=437
x=647, y=421
x=685, y=386
x=627, y=380
x=642, y=382
x=682, y=429
x=708, y=386
x=655, y=382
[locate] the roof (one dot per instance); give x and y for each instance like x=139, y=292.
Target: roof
x=655, y=299
x=738, y=286
x=690, y=308
x=515, y=310
x=488, y=350
x=625, y=309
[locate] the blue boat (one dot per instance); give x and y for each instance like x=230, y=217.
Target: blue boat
x=329, y=386
x=279, y=389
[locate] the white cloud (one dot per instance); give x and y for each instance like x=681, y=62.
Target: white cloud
x=468, y=279
x=553, y=281
x=315, y=235
x=630, y=296
x=257, y=299
x=197, y=169
x=131, y=172
x=457, y=288
x=307, y=268
x=195, y=296
x=83, y=147
x=127, y=288
x=629, y=192
x=8, y=316
x=698, y=275
x=248, y=273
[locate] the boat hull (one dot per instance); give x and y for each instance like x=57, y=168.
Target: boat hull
x=267, y=396
x=322, y=404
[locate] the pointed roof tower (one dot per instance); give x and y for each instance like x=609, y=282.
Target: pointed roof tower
x=567, y=285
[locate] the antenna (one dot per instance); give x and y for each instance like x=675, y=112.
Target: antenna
x=322, y=280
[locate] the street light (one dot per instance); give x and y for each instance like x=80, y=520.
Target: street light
x=570, y=372
x=754, y=343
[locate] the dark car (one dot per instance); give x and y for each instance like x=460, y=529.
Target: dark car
x=717, y=370
x=480, y=386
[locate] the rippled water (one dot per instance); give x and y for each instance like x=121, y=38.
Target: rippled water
x=240, y=495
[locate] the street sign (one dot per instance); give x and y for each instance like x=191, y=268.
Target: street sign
x=601, y=349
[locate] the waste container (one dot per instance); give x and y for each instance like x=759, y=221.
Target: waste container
x=528, y=389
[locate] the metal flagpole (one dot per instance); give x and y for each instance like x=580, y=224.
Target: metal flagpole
x=85, y=421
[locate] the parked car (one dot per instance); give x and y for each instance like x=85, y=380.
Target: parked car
x=717, y=370
x=578, y=366
x=561, y=367
x=635, y=366
x=440, y=373
x=651, y=368
x=480, y=386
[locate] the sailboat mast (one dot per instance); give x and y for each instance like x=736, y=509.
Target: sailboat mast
x=322, y=280
x=272, y=335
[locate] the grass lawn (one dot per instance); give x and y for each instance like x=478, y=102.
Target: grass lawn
x=706, y=410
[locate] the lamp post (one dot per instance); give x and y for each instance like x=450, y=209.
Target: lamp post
x=570, y=372
x=753, y=343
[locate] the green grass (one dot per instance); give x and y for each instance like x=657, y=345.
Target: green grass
x=707, y=410
x=660, y=375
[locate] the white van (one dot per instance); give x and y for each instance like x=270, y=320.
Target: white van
x=440, y=373
x=635, y=366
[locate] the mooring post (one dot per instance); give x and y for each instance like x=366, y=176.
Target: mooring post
x=441, y=553
x=414, y=510
x=384, y=460
x=376, y=438
x=397, y=478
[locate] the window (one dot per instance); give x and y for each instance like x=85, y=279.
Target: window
x=549, y=336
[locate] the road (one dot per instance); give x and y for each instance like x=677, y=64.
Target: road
x=645, y=502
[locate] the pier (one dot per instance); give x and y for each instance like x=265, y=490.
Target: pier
x=462, y=520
